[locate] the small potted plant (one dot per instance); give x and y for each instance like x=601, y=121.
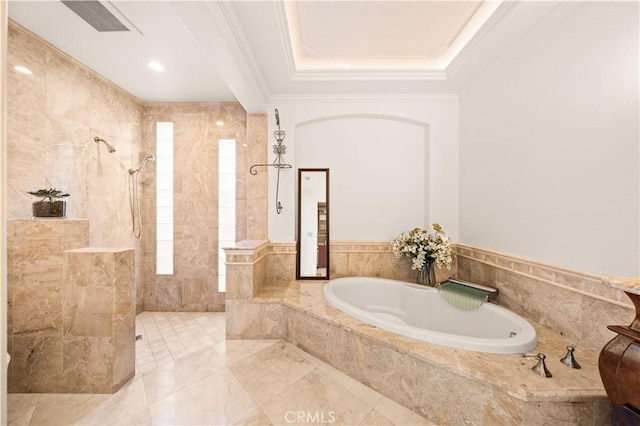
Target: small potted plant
x=52, y=203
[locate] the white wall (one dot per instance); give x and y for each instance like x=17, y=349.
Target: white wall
x=549, y=158
x=353, y=138
x=378, y=164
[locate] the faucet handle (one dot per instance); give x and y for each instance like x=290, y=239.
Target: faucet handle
x=569, y=360
x=540, y=368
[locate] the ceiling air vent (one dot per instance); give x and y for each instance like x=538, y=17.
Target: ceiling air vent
x=96, y=15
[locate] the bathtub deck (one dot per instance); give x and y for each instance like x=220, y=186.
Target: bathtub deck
x=441, y=383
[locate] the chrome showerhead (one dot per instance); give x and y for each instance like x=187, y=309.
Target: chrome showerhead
x=109, y=147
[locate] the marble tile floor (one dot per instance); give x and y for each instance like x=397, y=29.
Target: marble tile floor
x=188, y=374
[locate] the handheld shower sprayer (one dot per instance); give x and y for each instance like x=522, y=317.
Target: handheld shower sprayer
x=134, y=197
x=149, y=157
x=109, y=147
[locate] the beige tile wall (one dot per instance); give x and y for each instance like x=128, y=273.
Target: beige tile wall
x=281, y=262
x=576, y=304
x=374, y=259
x=35, y=300
x=194, y=284
x=246, y=276
x=257, y=185
x=98, y=319
x=71, y=309
x=53, y=116
x=348, y=259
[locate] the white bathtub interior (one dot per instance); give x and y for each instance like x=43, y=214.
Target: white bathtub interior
x=421, y=313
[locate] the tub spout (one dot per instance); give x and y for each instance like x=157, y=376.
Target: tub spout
x=540, y=368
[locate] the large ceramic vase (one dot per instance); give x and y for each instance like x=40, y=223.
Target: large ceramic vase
x=619, y=365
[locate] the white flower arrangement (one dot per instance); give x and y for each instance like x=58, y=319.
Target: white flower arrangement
x=423, y=246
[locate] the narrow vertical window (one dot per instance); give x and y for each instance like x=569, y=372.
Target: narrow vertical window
x=226, y=204
x=164, y=198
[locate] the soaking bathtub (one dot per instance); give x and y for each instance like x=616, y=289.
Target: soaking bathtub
x=421, y=313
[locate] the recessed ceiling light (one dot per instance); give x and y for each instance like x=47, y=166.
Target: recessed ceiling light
x=220, y=123
x=23, y=70
x=156, y=66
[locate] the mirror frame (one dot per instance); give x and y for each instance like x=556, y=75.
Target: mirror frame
x=299, y=224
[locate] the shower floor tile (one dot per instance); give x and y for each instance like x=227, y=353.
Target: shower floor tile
x=188, y=374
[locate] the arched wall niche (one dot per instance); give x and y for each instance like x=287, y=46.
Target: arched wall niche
x=379, y=172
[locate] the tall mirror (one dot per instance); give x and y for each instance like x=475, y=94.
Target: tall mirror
x=313, y=224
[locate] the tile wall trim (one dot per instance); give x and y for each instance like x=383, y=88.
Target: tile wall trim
x=283, y=247
x=561, y=277
x=546, y=273
x=337, y=247
x=195, y=105
x=360, y=246
x=247, y=255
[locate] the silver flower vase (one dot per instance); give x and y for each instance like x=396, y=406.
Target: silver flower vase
x=427, y=275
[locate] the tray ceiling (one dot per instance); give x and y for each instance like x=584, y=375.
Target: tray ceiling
x=252, y=51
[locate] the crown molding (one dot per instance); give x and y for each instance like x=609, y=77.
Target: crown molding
x=239, y=44
x=297, y=74
x=476, y=40
x=327, y=98
x=368, y=75
x=285, y=37
x=302, y=73
x=548, y=19
x=209, y=27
